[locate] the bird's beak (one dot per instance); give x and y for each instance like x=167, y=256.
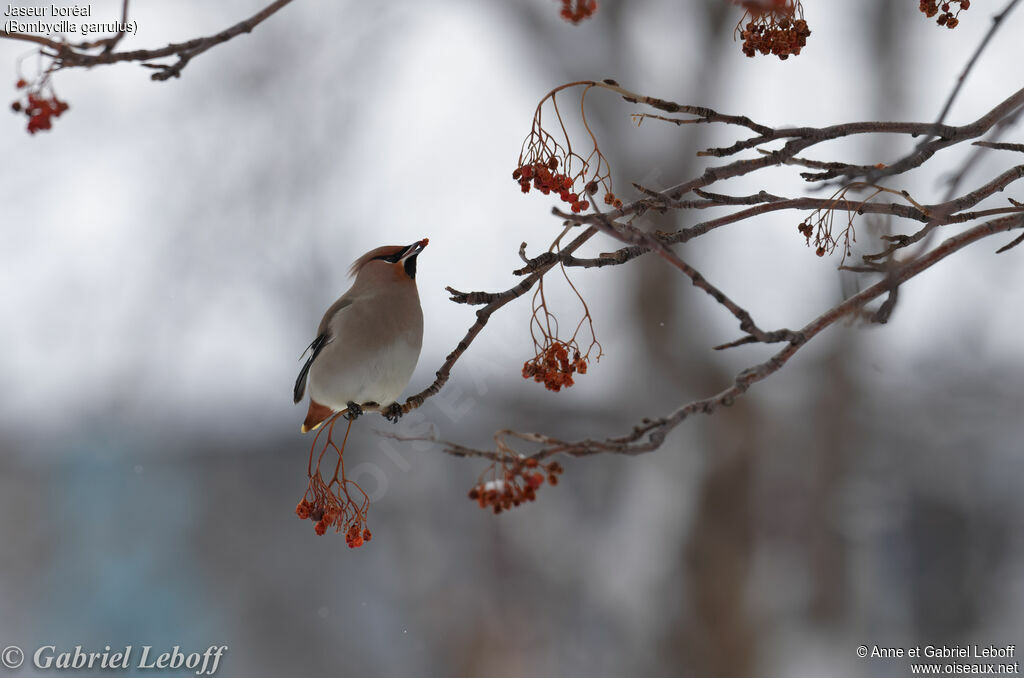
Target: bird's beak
x=415, y=248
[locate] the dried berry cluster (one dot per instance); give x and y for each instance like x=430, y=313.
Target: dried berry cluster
x=545, y=178
x=552, y=367
x=520, y=479
x=807, y=231
x=356, y=531
x=331, y=504
x=821, y=222
x=550, y=364
x=610, y=198
x=39, y=109
x=946, y=16
x=820, y=225
x=773, y=27
x=578, y=10
x=549, y=163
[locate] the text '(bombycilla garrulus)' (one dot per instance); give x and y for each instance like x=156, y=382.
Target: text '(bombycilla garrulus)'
x=369, y=340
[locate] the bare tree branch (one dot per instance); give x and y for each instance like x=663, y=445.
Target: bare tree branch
x=650, y=433
x=84, y=55
x=1002, y=147
x=638, y=242
x=546, y=162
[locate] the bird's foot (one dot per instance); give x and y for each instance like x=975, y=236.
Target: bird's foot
x=354, y=411
x=393, y=413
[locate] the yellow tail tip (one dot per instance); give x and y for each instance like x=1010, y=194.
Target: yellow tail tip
x=316, y=415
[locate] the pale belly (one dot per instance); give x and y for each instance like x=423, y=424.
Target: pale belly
x=379, y=375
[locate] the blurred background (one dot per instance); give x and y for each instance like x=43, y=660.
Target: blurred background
x=168, y=250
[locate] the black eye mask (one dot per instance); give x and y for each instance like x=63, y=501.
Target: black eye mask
x=410, y=263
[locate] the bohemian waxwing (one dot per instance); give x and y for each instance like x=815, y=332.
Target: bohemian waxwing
x=369, y=340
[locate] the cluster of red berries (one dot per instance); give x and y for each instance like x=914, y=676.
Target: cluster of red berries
x=553, y=368
x=356, y=535
x=39, y=109
x=774, y=33
x=519, y=484
x=578, y=10
x=946, y=17
x=356, y=532
x=609, y=197
x=545, y=177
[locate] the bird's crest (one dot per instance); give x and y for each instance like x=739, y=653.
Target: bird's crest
x=385, y=251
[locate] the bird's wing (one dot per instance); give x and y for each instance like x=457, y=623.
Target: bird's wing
x=325, y=324
x=322, y=339
x=313, y=350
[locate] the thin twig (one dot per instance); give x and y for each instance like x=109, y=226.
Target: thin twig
x=650, y=433
x=66, y=55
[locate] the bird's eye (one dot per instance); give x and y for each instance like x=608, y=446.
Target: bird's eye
x=390, y=258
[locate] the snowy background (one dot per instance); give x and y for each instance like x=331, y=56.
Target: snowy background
x=168, y=249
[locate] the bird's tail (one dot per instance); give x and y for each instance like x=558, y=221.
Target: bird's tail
x=315, y=415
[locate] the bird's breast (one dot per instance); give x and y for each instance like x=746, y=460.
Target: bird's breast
x=373, y=351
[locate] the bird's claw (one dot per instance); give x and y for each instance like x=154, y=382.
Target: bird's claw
x=394, y=413
x=354, y=411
